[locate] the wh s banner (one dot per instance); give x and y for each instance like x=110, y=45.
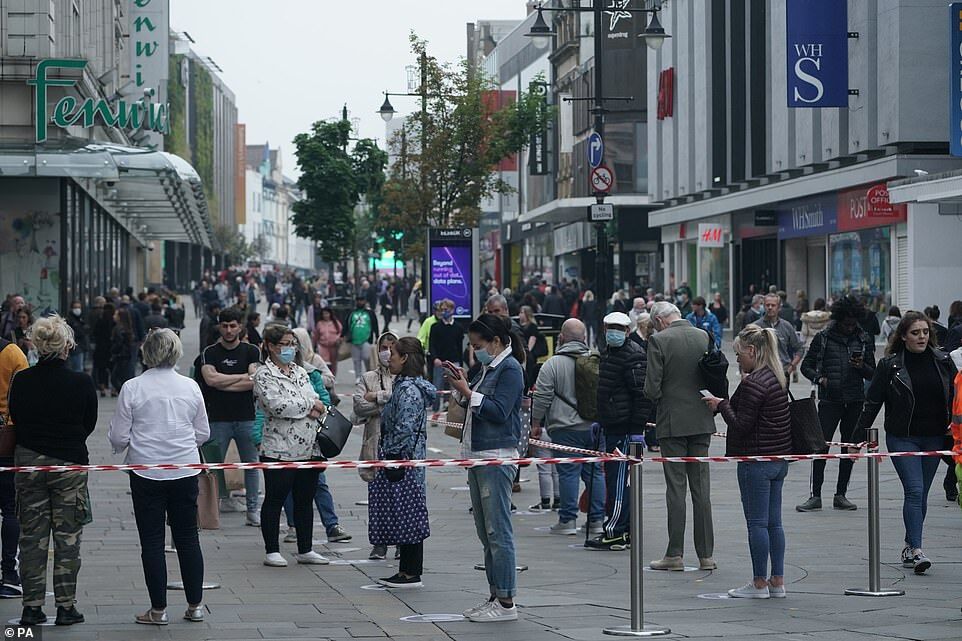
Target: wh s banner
x=817, y=53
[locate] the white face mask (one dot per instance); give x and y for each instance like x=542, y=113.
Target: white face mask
x=384, y=357
x=76, y=312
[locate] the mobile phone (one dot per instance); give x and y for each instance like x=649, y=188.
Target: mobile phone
x=706, y=393
x=453, y=369
x=856, y=356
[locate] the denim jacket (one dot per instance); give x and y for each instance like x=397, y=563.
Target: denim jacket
x=496, y=422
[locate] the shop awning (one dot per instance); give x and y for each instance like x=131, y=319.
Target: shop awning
x=157, y=195
x=944, y=188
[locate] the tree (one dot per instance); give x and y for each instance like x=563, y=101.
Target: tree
x=447, y=154
x=232, y=242
x=332, y=182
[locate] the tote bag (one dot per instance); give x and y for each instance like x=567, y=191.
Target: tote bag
x=333, y=432
x=807, y=437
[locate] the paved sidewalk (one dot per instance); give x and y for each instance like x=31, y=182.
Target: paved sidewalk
x=568, y=592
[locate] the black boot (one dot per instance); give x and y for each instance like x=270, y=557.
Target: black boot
x=68, y=616
x=32, y=615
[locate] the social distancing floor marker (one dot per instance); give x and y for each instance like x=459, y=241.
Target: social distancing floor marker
x=713, y=596
x=179, y=585
x=517, y=568
x=433, y=618
x=376, y=587
x=355, y=561
x=48, y=623
x=688, y=568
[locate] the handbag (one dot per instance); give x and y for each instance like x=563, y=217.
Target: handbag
x=8, y=439
x=208, y=505
x=807, y=437
x=333, y=432
x=343, y=350
x=457, y=416
x=714, y=370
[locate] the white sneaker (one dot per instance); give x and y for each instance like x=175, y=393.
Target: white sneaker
x=596, y=529
x=275, y=560
x=494, y=612
x=777, y=592
x=311, y=558
x=472, y=611
x=749, y=591
x=565, y=527
x=253, y=519
x=291, y=536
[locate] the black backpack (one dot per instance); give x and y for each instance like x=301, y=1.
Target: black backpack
x=714, y=370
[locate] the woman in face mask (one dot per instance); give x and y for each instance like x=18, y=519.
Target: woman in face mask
x=75, y=361
x=292, y=410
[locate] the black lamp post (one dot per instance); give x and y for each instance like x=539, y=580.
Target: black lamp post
x=654, y=35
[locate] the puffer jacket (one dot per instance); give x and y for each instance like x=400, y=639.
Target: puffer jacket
x=757, y=417
x=623, y=407
x=892, y=387
x=829, y=356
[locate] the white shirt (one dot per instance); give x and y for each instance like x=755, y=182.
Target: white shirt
x=476, y=399
x=160, y=418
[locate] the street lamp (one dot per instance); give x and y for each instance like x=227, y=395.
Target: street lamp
x=654, y=34
x=540, y=33
x=387, y=109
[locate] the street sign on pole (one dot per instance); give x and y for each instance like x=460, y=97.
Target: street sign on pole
x=600, y=213
x=602, y=180
x=596, y=150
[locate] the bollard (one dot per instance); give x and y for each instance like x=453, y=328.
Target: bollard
x=874, y=543
x=637, y=627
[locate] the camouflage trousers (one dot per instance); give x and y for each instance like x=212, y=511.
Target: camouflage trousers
x=50, y=503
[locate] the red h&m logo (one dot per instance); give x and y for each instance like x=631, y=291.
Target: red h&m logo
x=666, y=93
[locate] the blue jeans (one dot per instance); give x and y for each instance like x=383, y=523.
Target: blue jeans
x=76, y=361
x=916, y=474
x=761, y=489
x=324, y=502
x=570, y=476
x=441, y=383
x=241, y=433
x=491, y=500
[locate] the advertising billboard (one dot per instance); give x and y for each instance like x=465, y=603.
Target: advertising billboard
x=453, y=256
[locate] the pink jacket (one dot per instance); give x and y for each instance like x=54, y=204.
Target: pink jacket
x=326, y=333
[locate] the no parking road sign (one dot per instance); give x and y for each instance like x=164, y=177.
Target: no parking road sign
x=602, y=179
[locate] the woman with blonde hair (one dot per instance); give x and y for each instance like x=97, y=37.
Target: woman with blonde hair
x=759, y=425
x=51, y=504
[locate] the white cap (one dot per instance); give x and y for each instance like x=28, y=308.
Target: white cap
x=618, y=318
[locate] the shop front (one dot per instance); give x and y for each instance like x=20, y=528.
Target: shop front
x=699, y=255
x=574, y=246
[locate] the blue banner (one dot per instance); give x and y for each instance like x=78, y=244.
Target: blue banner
x=955, y=80
x=817, y=53
x=809, y=217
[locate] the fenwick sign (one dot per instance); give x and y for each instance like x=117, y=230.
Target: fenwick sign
x=67, y=112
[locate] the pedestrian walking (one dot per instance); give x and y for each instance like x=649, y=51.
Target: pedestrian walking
x=397, y=500
x=589, y=316
x=623, y=412
x=915, y=383
x=445, y=343
x=370, y=397
x=102, y=333
x=52, y=504
x=223, y=372
x=81, y=334
x=684, y=428
x=789, y=345
x=838, y=362
x=292, y=410
x=492, y=429
x=361, y=331
x=161, y=418
x=555, y=407
x=703, y=319
x=535, y=344
x=121, y=350
x=326, y=335
x=12, y=361
x=759, y=425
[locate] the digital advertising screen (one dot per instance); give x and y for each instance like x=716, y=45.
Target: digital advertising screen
x=452, y=276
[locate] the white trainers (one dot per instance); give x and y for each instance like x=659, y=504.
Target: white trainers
x=254, y=519
x=565, y=527
x=596, y=529
x=275, y=560
x=494, y=612
x=472, y=611
x=749, y=591
x=291, y=536
x=311, y=558
x=776, y=592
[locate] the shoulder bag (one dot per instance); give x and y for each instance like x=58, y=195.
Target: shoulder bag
x=208, y=505
x=333, y=432
x=807, y=437
x=714, y=369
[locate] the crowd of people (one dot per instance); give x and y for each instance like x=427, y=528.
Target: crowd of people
x=266, y=387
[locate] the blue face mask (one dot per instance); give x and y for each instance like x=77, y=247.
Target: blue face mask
x=615, y=337
x=287, y=355
x=483, y=356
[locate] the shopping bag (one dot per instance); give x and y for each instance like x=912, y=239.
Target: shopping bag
x=807, y=437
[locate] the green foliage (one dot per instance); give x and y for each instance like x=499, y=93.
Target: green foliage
x=202, y=96
x=232, y=242
x=332, y=182
x=450, y=150
x=176, y=140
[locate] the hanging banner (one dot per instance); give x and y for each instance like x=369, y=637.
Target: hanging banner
x=149, y=58
x=955, y=80
x=817, y=53
x=538, y=145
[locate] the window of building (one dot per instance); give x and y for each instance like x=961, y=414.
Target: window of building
x=860, y=263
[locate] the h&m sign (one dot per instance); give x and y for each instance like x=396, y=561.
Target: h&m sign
x=817, y=53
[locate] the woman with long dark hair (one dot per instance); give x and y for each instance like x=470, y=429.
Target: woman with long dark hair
x=102, y=333
x=492, y=429
x=121, y=350
x=914, y=382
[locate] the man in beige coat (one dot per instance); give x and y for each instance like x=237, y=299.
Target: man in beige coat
x=684, y=428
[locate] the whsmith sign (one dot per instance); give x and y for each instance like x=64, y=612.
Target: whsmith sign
x=817, y=53
x=68, y=112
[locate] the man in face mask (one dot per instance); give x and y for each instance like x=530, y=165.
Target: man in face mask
x=623, y=412
x=81, y=334
x=445, y=343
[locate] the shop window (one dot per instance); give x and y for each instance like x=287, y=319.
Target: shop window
x=860, y=264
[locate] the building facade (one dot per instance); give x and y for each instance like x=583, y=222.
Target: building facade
x=756, y=193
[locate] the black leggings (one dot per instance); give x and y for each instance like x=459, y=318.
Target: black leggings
x=176, y=502
x=412, y=559
x=843, y=416
x=302, y=484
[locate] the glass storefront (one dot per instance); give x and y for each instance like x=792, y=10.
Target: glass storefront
x=860, y=263
x=713, y=275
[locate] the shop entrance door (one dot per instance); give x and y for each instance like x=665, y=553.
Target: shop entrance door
x=758, y=265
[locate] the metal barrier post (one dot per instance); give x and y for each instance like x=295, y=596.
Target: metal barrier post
x=874, y=543
x=637, y=627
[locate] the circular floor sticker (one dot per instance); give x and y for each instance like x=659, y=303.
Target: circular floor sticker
x=714, y=596
x=461, y=488
x=528, y=513
x=362, y=503
x=355, y=561
x=433, y=618
x=517, y=568
x=375, y=587
x=49, y=622
x=688, y=568
x=179, y=585
x=344, y=550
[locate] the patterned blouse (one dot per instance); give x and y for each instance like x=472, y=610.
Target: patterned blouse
x=289, y=433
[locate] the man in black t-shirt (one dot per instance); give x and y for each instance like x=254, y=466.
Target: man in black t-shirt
x=223, y=371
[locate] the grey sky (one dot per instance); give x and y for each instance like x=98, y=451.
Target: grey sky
x=292, y=62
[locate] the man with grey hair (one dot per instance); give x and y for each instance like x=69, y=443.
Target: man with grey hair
x=757, y=310
x=161, y=348
x=638, y=307
x=789, y=345
x=684, y=428
x=555, y=407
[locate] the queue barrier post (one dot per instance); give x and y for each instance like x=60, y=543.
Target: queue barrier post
x=638, y=628
x=874, y=542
